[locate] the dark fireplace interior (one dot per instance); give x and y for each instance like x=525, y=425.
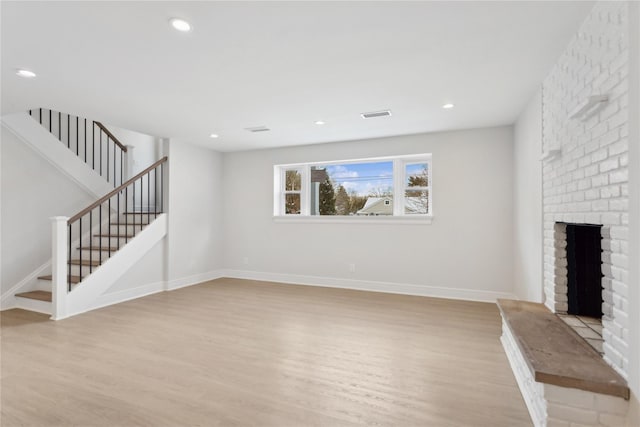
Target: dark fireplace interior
x=584, y=265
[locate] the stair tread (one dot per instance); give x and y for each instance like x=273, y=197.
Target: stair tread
x=114, y=235
x=129, y=223
x=93, y=263
x=37, y=295
x=74, y=279
x=142, y=213
x=99, y=248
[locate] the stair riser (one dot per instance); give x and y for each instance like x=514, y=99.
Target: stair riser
x=95, y=255
x=138, y=218
x=42, y=285
x=77, y=270
x=126, y=229
x=34, y=305
x=110, y=241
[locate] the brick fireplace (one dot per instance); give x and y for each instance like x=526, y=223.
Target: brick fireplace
x=580, y=285
x=586, y=178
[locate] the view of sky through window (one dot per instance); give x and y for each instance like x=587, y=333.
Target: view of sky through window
x=364, y=179
x=416, y=170
x=358, y=188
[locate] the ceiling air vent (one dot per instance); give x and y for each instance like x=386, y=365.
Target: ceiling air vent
x=373, y=114
x=258, y=129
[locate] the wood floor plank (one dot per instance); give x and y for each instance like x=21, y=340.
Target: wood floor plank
x=239, y=353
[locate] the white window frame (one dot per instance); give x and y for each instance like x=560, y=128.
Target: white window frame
x=399, y=187
x=280, y=191
x=403, y=163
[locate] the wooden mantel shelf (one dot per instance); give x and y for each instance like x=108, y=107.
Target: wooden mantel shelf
x=555, y=353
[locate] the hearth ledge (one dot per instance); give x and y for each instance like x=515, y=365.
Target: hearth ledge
x=562, y=378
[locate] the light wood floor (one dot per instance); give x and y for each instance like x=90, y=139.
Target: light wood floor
x=244, y=353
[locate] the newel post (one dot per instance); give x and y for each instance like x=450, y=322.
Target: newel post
x=59, y=248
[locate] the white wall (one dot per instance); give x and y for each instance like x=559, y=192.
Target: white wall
x=195, y=214
x=468, y=247
x=528, y=284
x=146, y=148
x=192, y=251
x=142, y=151
x=32, y=191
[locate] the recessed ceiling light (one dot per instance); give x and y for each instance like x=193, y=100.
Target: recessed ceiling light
x=213, y=135
x=26, y=73
x=180, y=25
x=448, y=106
x=320, y=122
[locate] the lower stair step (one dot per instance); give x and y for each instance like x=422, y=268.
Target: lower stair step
x=74, y=279
x=37, y=295
x=142, y=213
x=99, y=248
x=93, y=263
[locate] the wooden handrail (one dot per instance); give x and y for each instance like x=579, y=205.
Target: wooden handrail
x=106, y=197
x=110, y=135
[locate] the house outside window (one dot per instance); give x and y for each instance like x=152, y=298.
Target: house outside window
x=381, y=187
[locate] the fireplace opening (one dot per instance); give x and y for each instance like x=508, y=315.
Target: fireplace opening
x=584, y=270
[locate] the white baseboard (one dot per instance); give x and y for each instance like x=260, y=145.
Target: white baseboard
x=194, y=280
x=108, y=299
x=118, y=297
x=373, y=286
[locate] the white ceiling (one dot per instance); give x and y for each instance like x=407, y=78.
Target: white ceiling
x=283, y=65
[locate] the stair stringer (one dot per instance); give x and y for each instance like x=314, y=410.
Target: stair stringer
x=43, y=142
x=84, y=294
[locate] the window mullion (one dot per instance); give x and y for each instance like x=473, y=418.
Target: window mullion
x=430, y=186
x=279, y=193
x=398, y=187
x=305, y=196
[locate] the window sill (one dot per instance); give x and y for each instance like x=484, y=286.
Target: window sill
x=291, y=219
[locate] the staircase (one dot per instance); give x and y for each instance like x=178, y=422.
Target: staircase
x=86, y=247
x=89, y=140
x=92, y=255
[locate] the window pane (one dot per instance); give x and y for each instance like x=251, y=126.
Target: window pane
x=323, y=194
x=416, y=202
x=349, y=188
x=417, y=175
x=292, y=204
x=355, y=188
x=293, y=180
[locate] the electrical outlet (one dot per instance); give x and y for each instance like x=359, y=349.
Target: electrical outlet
x=245, y=261
x=352, y=268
